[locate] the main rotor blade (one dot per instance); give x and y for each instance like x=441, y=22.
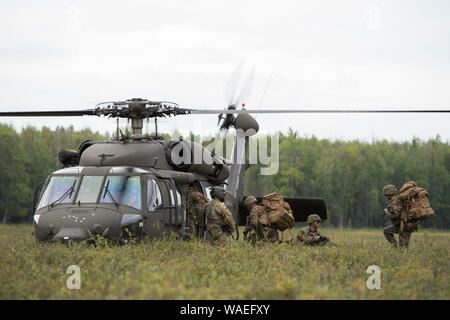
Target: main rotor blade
x=231, y=86
x=208, y=111
x=247, y=87
x=68, y=113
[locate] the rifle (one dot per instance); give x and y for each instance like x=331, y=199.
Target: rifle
x=327, y=240
x=225, y=228
x=390, y=209
x=228, y=230
x=246, y=229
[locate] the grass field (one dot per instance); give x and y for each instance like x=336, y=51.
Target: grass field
x=195, y=270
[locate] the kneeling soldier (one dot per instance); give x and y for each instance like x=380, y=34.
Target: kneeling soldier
x=310, y=235
x=219, y=219
x=254, y=229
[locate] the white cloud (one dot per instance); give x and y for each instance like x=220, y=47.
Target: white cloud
x=78, y=53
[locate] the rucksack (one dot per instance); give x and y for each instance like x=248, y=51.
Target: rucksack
x=416, y=205
x=278, y=212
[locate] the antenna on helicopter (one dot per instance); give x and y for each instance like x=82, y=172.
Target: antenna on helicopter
x=156, y=161
x=117, y=131
x=123, y=137
x=264, y=93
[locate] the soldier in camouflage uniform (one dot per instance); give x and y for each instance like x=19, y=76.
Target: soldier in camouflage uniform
x=250, y=232
x=219, y=219
x=254, y=230
x=310, y=235
x=196, y=203
x=393, y=211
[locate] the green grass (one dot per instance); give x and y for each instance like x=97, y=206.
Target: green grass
x=195, y=270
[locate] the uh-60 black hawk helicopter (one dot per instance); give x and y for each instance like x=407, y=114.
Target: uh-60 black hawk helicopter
x=133, y=186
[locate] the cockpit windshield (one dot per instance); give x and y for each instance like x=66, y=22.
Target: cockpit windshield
x=122, y=190
x=89, y=188
x=60, y=190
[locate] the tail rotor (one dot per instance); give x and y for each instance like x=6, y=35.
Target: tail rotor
x=236, y=93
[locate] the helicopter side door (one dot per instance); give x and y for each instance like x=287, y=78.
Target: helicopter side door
x=154, y=212
x=164, y=212
x=176, y=212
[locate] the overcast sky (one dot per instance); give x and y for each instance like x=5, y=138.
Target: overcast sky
x=335, y=54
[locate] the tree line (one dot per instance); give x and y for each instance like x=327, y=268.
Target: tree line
x=348, y=175
x=27, y=158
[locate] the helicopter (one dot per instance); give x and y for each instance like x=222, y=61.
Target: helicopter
x=136, y=187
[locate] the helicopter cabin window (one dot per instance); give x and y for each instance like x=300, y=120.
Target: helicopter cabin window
x=175, y=196
x=178, y=197
x=208, y=193
x=171, y=192
x=154, y=199
x=122, y=190
x=89, y=188
x=60, y=189
x=181, y=209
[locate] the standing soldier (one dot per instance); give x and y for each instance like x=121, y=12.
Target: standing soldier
x=196, y=203
x=393, y=211
x=310, y=235
x=254, y=229
x=219, y=219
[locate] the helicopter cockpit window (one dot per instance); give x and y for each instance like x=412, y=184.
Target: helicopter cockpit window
x=89, y=188
x=122, y=190
x=60, y=189
x=154, y=199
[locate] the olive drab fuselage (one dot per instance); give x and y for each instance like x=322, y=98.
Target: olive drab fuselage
x=137, y=187
x=121, y=190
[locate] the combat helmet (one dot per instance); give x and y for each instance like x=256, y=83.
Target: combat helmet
x=250, y=200
x=218, y=192
x=313, y=217
x=389, y=190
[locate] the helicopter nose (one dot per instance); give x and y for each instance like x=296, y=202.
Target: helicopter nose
x=63, y=225
x=71, y=234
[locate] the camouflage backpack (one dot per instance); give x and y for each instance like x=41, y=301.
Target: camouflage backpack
x=416, y=205
x=278, y=212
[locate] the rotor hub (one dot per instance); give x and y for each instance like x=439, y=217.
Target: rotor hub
x=138, y=109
